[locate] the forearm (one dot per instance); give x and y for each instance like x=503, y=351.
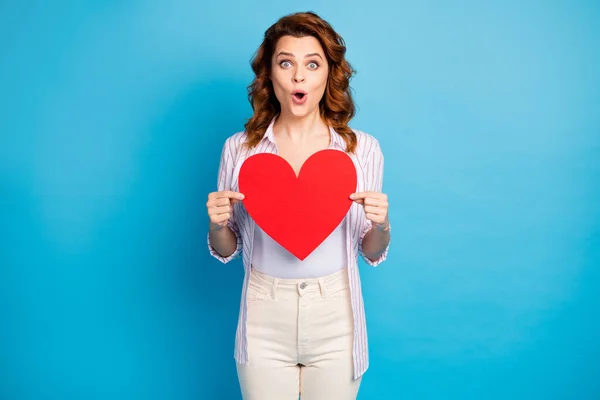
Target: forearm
x=222, y=239
x=375, y=241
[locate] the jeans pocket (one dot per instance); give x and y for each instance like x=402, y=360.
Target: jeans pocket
x=339, y=292
x=256, y=292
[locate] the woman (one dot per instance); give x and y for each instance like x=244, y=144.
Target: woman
x=301, y=325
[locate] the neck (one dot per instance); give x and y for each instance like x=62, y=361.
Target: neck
x=300, y=129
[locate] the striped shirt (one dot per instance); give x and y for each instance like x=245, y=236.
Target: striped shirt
x=368, y=160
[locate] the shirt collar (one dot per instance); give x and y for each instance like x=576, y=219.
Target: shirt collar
x=337, y=142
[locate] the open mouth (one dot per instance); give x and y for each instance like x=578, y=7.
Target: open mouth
x=299, y=97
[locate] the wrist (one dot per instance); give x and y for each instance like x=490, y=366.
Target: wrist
x=215, y=227
x=383, y=227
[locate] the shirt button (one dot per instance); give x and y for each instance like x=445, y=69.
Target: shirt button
x=302, y=285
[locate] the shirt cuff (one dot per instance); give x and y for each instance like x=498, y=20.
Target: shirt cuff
x=382, y=256
x=238, y=247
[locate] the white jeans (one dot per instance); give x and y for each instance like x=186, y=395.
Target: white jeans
x=300, y=334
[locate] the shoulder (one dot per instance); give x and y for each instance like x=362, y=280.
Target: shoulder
x=233, y=144
x=236, y=140
x=367, y=145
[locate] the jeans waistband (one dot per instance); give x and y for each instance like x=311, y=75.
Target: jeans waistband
x=324, y=284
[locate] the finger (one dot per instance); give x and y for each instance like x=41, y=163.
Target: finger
x=374, y=195
x=231, y=194
x=370, y=201
x=374, y=210
x=221, y=201
x=220, y=210
x=217, y=219
x=359, y=195
x=217, y=202
x=378, y=219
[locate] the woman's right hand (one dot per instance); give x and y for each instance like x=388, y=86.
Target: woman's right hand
x=220, y=205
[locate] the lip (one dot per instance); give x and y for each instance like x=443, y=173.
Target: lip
x=296, y=100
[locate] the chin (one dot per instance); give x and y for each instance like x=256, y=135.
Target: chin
x=300, y=111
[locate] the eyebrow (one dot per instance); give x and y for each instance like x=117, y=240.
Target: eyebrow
x=283, y=53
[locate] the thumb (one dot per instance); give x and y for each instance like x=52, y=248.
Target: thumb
x=358, y=200
x=237, y=199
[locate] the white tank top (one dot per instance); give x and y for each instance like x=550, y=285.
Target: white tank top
x=271, y=258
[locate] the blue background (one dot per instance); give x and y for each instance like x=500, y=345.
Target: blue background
x=113, y=118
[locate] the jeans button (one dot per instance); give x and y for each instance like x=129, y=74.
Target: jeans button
x=302, y=285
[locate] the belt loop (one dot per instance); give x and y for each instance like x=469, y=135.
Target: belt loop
x=274, y=288
x=322, y=287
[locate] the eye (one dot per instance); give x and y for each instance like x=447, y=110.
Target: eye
x=312, y=65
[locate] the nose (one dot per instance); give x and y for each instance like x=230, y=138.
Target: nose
x=298, y=77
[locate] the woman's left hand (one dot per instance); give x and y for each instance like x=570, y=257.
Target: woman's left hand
x=375, y=205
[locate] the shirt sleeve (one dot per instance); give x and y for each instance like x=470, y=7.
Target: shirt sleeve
x=225, y=178
x=374, y=176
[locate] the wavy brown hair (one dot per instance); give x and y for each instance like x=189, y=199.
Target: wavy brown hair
x=336, y=107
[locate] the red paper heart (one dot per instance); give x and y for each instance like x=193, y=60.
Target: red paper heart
x=300, y=212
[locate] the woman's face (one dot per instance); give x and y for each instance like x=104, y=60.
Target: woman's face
x=299, y=64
